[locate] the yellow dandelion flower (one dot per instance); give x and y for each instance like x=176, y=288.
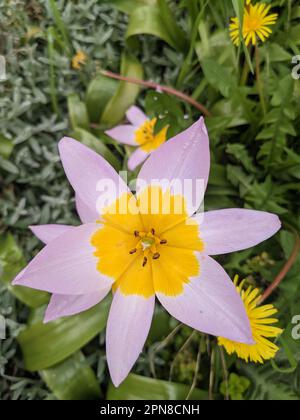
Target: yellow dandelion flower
x=79, y=59
x=256, y=24
x=261, y=322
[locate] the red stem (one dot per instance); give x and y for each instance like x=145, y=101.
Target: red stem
x=166, y=89
x=285, y=269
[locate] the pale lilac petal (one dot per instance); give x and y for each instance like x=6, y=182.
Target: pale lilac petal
x=66, y=265
x=211, y=304
x=184, y=162
x=123, y=134
x=128, y=326
x=136, y=116
x=67, y=305
x=93, y=179
x=47, y=233
x=230, y=230
x=85, y=213
x=137, y=158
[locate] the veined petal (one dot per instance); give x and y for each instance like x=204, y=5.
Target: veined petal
x=230, y=230
x=183, y=162
x=136, y=116
x=137, y=158
x=93, y=179
x=123, y=134
x=47, y=233
x=67, y=265
x=128, y=326
x=67, y=305
x=210, y=304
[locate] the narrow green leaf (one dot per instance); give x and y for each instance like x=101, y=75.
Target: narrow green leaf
x=44, y=345
x=126, y=93
x=141, y=388
x=72, y=379
x=77, y=112
x=8, y=166
x=52, y=76
x=169, y=22
x=96, y=144
x=99, y=93
x=11, y=263
x=6, y=147
x=60, y=25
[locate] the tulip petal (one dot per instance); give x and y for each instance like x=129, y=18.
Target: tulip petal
x=93, y=179
x=184, y=159
x=137, y=157
x=211, y=304
x=66, y=265
x=136, y=116
x=230, y=230
x=47, y=233
x=123, y=134
x=85, y=213
x=128, y=326
x=67, y=305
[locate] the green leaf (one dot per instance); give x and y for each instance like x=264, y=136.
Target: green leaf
x=96, y=144
x=218, y=76
x=141, y=388
x=289, y=356
x=128, y=6
x=6, y=147
x=77, y=112
x=52, y=73
x=152, y=17
x=126, y=94
x=8, y=166
x=157, y=21
x=72, y=379
x=99, y=93
x=61, y=27
x=44, y=345
x=11, y=263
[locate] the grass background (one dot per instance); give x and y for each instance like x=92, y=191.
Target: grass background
x=255, y=164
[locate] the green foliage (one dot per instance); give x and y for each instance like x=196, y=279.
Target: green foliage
x=237, y=386
x=255, y=157
x=140, y=388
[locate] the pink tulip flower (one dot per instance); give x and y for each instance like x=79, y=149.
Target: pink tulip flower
x=143, y=254
x=139, y=133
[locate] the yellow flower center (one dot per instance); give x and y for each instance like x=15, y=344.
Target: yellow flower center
x=151, y=247
x=148, y=244
x=145, y=135
x=256, y=24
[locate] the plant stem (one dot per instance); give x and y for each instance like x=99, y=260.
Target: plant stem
x=160, y=346
x=198, y=363
x=285, y=269
x=225, y=372
x=156, y=86
x=258, y=80
x=211, y=375
x=182, y=348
